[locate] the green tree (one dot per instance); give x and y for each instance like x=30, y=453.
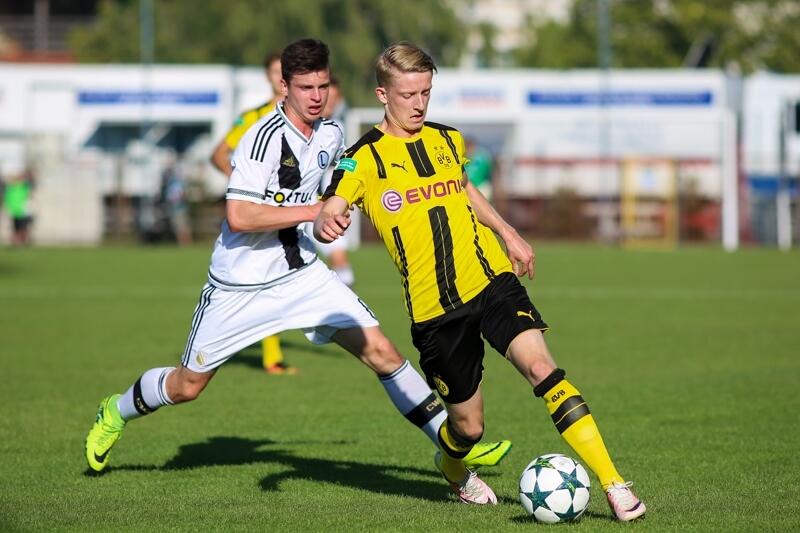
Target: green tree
x=240, y=33
x=487, y=54
x=753, y=34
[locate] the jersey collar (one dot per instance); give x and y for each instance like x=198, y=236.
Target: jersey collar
x=406, y=140
x=291, y=127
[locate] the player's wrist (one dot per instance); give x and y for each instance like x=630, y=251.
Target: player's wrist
x=506, y=232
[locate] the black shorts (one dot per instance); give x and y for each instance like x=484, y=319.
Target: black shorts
x=451, y=348
x=22, y=223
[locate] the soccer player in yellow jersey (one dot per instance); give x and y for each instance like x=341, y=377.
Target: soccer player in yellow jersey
x=272, y=354
x=406, y=175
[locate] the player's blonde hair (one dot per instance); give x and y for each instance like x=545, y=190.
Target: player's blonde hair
x=402, y=57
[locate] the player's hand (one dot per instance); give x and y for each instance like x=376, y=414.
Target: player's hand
x=334, y=227
x=522, y=257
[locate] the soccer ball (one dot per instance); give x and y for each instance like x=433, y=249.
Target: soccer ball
x=554, y=488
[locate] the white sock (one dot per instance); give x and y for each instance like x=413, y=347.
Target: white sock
x=415, y=400
x=146, y=395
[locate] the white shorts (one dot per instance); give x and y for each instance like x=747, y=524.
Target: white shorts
x=315, y=301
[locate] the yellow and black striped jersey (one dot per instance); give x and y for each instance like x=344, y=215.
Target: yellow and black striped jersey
x=245, y=120
x=412, y=190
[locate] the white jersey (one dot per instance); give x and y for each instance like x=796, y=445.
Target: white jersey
x=273, y=164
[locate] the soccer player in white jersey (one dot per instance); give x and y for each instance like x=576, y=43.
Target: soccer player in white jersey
x=265, y=277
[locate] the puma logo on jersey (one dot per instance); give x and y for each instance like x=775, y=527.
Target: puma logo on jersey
x=529, y=315
x=398, y=165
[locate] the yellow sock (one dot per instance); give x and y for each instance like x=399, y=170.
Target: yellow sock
x=271, y=351
x=571, y=416
x=453, y=454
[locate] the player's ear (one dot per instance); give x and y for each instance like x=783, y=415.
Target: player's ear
x=380, y=92
x=284, y=87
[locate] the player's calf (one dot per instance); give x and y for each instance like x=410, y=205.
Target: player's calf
x=463, y=482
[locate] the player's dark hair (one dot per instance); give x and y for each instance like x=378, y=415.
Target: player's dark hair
x=304, y=56
x=271, y=57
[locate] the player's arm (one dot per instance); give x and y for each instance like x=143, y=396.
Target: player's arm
x=243, y=215
x=332, y=220
x=519, y=251
x=221, y=158
x=245, y=209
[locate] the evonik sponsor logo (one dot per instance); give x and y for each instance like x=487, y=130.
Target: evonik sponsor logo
x=392, y=200
x=432, y=190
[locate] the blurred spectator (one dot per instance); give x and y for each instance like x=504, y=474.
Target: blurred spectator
x=16, y=200
x=479, y=168
x=221, y=157
x=172, y=200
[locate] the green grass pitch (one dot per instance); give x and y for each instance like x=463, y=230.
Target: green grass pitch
x=690, y=361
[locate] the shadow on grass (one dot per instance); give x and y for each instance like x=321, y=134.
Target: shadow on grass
x=378, y=478
x=251, y=356
x=527, y=519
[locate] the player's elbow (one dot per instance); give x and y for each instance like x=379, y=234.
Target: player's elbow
x=220, y=158
x=214, y=162
x=237, y=222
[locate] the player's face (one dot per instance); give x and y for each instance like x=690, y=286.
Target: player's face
x=274, y=77
x=334, y=97
x=306, y=95
x=405, y=100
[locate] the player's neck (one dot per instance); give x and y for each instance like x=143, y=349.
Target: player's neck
x=305, y=128
x=389, y=127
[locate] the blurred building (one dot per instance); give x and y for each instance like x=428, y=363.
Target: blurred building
x=571, y=145
x=99, y=136
x=637, y=154
x=37, y=30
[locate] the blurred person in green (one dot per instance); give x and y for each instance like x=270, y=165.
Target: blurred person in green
x=479, y=168
x=16, y=200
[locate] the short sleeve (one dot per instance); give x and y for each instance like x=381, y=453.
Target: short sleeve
x=327, y=176
x=249, y=178
x=462, y=151
x=348, y=180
